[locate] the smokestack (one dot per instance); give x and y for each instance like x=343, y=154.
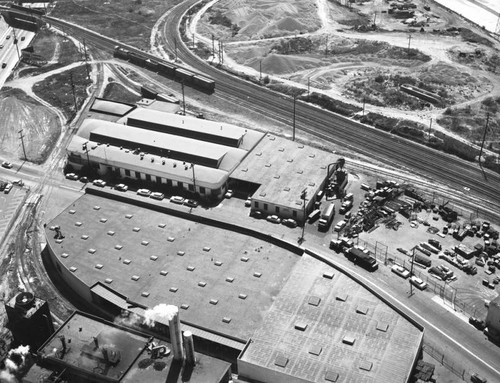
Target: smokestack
x=105, y=355
x=189, y=346
x=174, y=326
x=96, y=342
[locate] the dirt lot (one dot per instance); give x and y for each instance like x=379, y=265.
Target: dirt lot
x=363, y=53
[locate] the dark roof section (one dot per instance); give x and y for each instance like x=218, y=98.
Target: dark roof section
x=113, y=108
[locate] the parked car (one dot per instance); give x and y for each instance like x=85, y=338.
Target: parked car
x=157, y=195
x=144, y=192
x=248, y=202
x=418, y=283
x=476, y=378
x=257, y=214
x=84, y=179
x=99, y=183
x=121, y=187
x=191, y=202
x=8, y=188
x=273, y=218
x=7, y=165
x=228, y=194
x=72, y=176
x=289, y=222
x=177, y=199
x=401, y=271
x=480, y=262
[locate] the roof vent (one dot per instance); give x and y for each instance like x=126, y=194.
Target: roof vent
x=302, y=326
x=331, y=376
x=348, y=339
x=281, y=361
x=315, y=350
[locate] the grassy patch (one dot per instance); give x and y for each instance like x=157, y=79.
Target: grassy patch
x=58, y=91
x=56, y=50
x=129, y=21
x=118, y=92
x=473, y=37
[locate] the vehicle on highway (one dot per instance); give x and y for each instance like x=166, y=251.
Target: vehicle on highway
x=177, y=199
x=157, y=195
x=121, y=187
x=401, y=271
x=191, y=202
x=8, y=188
x=289, y=222
x=228, y=194
x=273, y=218
x=72, y=176
x=418, y=283
x=99, y=183
x=7, y=165
x=144, y=192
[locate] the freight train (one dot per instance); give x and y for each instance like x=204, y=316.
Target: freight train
x=166, y=69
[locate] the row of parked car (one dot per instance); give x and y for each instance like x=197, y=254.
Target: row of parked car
x=405, y=273
x=142, y=192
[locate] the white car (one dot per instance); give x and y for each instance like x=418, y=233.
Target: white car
x=8, y=188
x=273, y=218
x=177, y=199
x=401, y=271
x=418, y=283
x=228, y=194
x=144, y=192
x=157, y=195
x=99, y=183
x=72, y=176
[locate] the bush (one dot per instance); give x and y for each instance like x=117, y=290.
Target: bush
x=333, y=105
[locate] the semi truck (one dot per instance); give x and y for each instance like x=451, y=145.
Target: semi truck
x=326, y=217
x=362, y=258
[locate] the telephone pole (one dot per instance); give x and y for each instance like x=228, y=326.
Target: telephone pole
x=21, y=136
x=484, y=136
x=73, y=89
x=409, y=40
x=86, y=59
x=294, y=102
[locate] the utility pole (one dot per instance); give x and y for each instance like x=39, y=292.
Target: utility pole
x=21, y=136
x=326, y=46
x=213, y=45
x=409, y=40
x=73, y=89
x=294, y=102
x=411, y=269
x=260, y=70
x=222, y=52
x=484, y=136
x=430, y=127
x=15, y=43
x=86, y=59
x=86, y=150
x=364, y=101
x=194, y=178
x=183, y=100
x=175, y=48
x=303, y=196
x=308, y=87
x=193, y=41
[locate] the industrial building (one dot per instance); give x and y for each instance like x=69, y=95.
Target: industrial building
x=88, y=349
x=289, y=317
x=493, y=319
x=182, y=154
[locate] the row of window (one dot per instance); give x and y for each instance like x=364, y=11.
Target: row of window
x=276, y=209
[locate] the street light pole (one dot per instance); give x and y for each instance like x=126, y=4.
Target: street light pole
x=294, y=101
x=194, y=179
x=411, y=269
x=303, y=196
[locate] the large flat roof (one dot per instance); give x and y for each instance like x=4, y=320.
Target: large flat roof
x=114, y=108
x=140, y=137
x=227, y=281
x=308, y=330
x=214, y=128
x=284, y=168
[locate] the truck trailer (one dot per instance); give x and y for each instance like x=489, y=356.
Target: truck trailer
x=326, y=217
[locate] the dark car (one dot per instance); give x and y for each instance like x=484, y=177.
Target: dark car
x=475, y=378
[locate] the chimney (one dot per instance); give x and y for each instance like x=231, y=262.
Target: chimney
x=174, y=326
x=189, y=347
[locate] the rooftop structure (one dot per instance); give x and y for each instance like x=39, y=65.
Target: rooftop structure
x=185, y=126
x=325, y=327
x=113, y=108
x=89, y=349
x=281, y=170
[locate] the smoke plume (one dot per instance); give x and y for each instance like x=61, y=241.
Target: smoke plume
x=161, y=311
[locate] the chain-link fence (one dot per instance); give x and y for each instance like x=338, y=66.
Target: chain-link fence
x=457, y=368
x=441, y=288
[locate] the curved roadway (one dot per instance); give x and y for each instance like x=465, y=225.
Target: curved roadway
x=443, y=168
